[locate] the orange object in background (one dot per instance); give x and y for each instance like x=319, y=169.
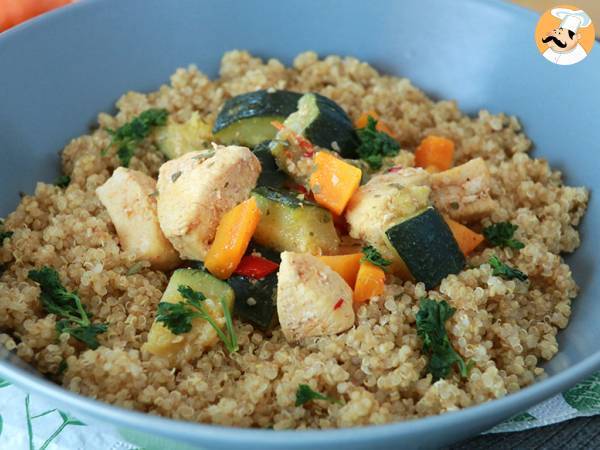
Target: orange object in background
x=13, y=12
x=435, y=152
x=363, y=120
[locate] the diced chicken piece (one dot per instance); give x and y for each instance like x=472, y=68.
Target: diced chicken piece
x=195, y=191
x=312, y=299
x=383, y=202
x=463, y=192
x=129, y=197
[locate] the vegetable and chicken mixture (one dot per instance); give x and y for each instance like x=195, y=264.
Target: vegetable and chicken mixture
x=354, y=266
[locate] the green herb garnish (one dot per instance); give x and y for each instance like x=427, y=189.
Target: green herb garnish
x=62, y=367
x=375, y=145
x=431, y=328
x=74, y=319
x=505, y=271
x=62, y=181
x=501, y=235
x=178, y=317
x=5, y=235
x=127, y=137
x=371, y=255
x=305, y=394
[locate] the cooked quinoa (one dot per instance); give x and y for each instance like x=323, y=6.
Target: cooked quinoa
x=508, y=329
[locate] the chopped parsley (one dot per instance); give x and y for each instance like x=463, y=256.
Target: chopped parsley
x=67, y=306
x=371, y=255
x=5, y=235
x=178, y=317
x=375, y=145
x=128, y=136
x=431, y=328
x=62, y=367
x=305, y=394
x=62, y=181
x=501, y=235
x=503, y=270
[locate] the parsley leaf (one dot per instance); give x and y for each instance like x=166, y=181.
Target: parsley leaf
x=503, y=270
x=128, y=136
x=178, y=317
x=62, y=367
x=371, y=255
x=305, y=394
x=74, y=319
x=62, y=181
x=501, y=235
x=5, y=235
x=431, y=328
x=374, y=144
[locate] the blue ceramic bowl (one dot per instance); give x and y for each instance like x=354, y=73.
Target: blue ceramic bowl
x=57, y=72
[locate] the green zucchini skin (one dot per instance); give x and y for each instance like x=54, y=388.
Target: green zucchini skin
x=427, y=246
x=246, y=119
x=333, y=125
x=263, y=312
x=200, y=281
x=288, y=223
x=270, y=175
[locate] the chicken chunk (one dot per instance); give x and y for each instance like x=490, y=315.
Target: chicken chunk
x=383, y=202
x=312, y=299
x=196, y=189
x=129, y=197
x=463, y=192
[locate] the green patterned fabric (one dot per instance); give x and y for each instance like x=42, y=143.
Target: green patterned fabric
x=28, y=423
x=586, y=395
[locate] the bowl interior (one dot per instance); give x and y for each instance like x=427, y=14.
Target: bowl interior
x=68, y=66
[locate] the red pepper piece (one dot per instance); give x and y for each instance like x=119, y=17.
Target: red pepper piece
x=338, y=304
x=255, y=267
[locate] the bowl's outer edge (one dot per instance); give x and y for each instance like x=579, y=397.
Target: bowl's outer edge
x=492, y=51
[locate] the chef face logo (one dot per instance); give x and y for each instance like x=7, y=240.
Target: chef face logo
x=565, y=35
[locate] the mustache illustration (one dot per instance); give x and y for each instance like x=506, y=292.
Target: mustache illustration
x=556, y=41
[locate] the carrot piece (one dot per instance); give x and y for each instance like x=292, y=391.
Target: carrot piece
x=232, y=238
x=346, y=265
x=333, y=182
x=14, y=12
x=466, y=238
x=363, y=120
x=435, y=151
x=369, y=282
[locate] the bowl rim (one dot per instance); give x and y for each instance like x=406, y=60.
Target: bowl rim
x=193, y=432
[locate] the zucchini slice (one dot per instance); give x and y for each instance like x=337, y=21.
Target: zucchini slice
x=175, y=139
x=270, y=174
x=246, y=119
x=256, y=300
x=162, y=342
x=324, y=123
x=427, y=246
x=288, y=223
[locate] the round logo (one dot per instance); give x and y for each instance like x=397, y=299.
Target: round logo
x=565, y=35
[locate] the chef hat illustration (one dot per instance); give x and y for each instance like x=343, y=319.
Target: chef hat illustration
x=571, y=20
